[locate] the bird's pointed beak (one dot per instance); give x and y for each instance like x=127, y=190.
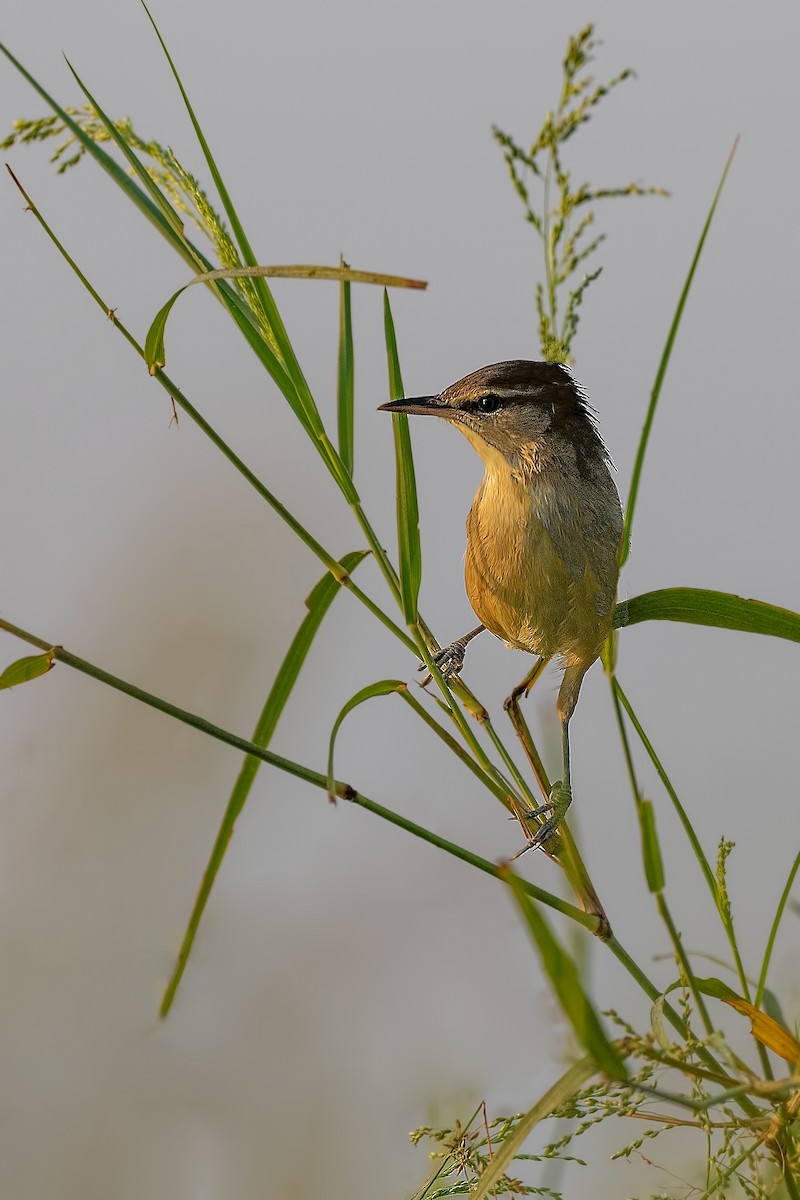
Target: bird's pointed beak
x=418, y=406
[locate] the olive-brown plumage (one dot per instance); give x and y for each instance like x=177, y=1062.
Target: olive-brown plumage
x=544, y=530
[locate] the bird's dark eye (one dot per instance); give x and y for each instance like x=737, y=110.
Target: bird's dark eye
x=489, y=404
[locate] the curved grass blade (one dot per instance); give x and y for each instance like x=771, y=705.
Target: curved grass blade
x=345, y=378
x=312, y=271
x=26, y=669
x=317, y=603
x=388, y=687
x=155, y=354
x=154, y=343
x=407, y=509
x=700, y=606
x=384, y=687
x=630, y=507
x=565, y=980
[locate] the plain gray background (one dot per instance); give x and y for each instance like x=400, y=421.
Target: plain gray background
x=349, y=983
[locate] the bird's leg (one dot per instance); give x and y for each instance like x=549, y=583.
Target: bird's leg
x=561, y=791
x=522, y=731
x=560, y=796
x=520, y=725
x=556, y=843
x=450, y=660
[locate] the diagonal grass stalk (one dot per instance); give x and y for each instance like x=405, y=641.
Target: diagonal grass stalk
x=633, y=493
x=694, y=841
x=661, y=903
x=342, y=790
x=175, y=393
x=317, y=603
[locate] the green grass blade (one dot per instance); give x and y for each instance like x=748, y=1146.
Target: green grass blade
x=345, y=378
x=388, y=687
x=683, y=817
x=312, y=271
x=762, y=978
x=317, y=603
x=134, y=193
x=149, y=203
x=155, y=354
x=699, y=606
x=565, y=981
x=407, y=509
x=26, y=669
x=651, y=851
x=154, y=345
x=282, y=366
x=384, y=687
x=276, y=326
x=190, y=253
x=501, y=792
x=156, y=195
x=343, y=791
x=570, y=1083
x=178, y=397
x=630, y=507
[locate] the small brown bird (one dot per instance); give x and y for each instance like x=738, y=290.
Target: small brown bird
x=544, y=530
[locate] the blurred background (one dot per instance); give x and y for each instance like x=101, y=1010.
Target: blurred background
x=349, y=983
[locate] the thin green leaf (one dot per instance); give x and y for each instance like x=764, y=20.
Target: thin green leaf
x=134, y=193
x=630, y=508
x=761, y=993
x=141, y=172
x=177, y=395
x=184, y=247
x=699, y=606
x=154, y=345
x=344, y=791
x=276, y=326
x=317, y=603
x=345, y=378
x=155, y=354
x=563, y=1090
x=312, y=271
x=384, y=687
x=711, y=986
x=281, y=365
x=683, y=817
x=26, y=669
x=651, y=851
x=565, y=980
x=407, y=509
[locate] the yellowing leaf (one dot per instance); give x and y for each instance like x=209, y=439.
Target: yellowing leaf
x=768, y=1031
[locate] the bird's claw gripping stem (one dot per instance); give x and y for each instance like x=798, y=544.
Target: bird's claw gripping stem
x=450, y=660
x=558, y=802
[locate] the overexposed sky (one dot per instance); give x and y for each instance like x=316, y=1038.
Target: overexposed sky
x=348, y=980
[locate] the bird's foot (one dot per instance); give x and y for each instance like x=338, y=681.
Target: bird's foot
x=450, y=660
x=557, y=804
